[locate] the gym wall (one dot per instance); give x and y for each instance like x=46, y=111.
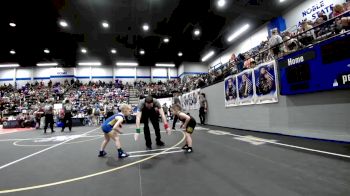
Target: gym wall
x=323, y=115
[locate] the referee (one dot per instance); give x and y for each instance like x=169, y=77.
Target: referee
x=150, y=108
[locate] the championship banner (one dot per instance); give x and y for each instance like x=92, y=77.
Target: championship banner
x=246, y=87
x=196, y=94
x=230, y=86
x=266, y=83
x=190, y=101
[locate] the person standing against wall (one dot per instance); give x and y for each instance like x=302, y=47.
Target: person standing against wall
x=49, y=116
x=67, y=107
x=203, y=108
x=150, y=108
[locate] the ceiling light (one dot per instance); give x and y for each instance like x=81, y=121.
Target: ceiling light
x=89, y=63
x=47, y=51
x=179, y=54
x=12, y=24
x=196, y=32
x=83, y=50
x=221, y=3
x=282, y=1
x=113, y=51
x=131, y=64
x=207, y=56
x=12, y=52
x=165, y=65
x=145, y=27
x=142, y=52
x=166, y=40
x=238, y=33
x=63, y=23
x=9, y=65
x=105, y=25
x=46, y=64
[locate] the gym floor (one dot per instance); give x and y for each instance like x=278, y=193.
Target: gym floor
x=224, y=162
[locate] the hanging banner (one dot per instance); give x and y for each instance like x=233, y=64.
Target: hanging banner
x=230, y=91
x=190, y=101
x=186, y=101
x=196, y=94
x=246, y=87
x=266, y=83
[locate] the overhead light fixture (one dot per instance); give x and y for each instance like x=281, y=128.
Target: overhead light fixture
x=145, y=27
x=63, y=23
x=196, y=32
x=179, y=54
x=221, y=3
x=46, y=64
x=47, y=51
x=12, y=24
x=12, y=52
x=113, y=51
x=282, y=1
x=89, y=63
x=8, y=65
x=142, y=52
x=238, y=33
x=83, y=50
x=129, y=64
x=105, y=25
x=165, y=65
x=166, y=40
x=207, y=56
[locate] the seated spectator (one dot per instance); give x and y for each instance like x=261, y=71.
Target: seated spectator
x=291, y=44
x=306, y=35
x=249, y=63
x=322, y=16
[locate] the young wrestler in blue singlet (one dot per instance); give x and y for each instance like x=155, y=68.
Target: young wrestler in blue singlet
x=112, y=128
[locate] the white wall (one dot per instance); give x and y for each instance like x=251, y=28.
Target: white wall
x=159, y=74
x=173, y=73
x=308, y=10
x=6, y=76
x=23, y=75
x=181, y=70
x=189, y=68
x=126, y=74
x=83, y=74
x=143, y=74
x=322, y=115
x=102, y=73
x=60, y=74
x=254, y=40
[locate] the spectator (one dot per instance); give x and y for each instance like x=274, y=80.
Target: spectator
x=274, y=43
x=203, y=108
x=338, y=9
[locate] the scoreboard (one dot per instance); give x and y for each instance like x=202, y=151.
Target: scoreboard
x=321, y=67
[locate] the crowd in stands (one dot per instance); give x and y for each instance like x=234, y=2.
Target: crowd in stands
x=94, y=99
x=157, y=89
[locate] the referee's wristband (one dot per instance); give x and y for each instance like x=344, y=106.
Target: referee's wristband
x=138, y=130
